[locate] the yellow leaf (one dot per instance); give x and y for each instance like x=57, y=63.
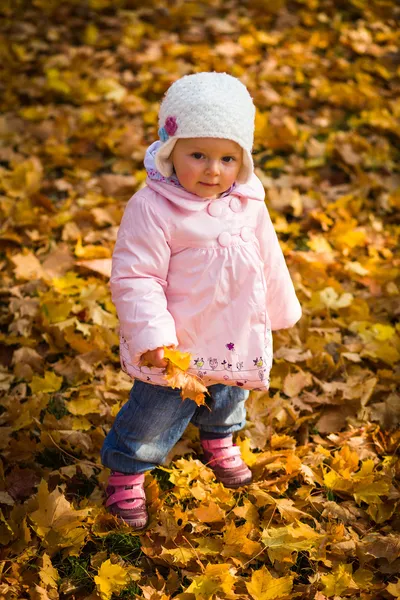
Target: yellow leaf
x=248, y=456
x=294, y=383
x=179, y=359
x=56, y=309
x=331, y=298
x=216, y=578
x=370, y=491
x=178, y=556
x=263, y=586
x=48, y=574
x=236, y=541
x=248, y=512
x=319, y=244
x=191, y=386
x=84, y=406
x=91, y=251
x=91, y=34
x=335, y=482
x=209, y=546
x=382, y=332
x=345, y=462
x=209, y=513
x=111, y=579
x=364, y=579
x=27, y=266
x=283, y=542
x=338, y=581
x=394, y=589
x=49, y=383
x=98, y=265
x=54, y=512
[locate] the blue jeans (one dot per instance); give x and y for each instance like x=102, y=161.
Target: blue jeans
x=155, y=417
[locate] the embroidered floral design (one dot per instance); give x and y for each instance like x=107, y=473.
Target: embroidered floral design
x=239, y=366
x=239, y=383
x=230, y=346
x=199, y=362
x=213, y=362
x=170, y=125
x=224, y=363
x=229, y=365
x=261, y=374
x=258, y=362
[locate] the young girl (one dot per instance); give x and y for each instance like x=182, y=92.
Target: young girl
x=197, y=266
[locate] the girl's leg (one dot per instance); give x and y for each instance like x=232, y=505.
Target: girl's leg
x=146, y=428
x=144, y=431
x=224, y=414
x=227, y=415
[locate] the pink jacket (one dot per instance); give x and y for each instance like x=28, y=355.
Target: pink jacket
x=206, y=276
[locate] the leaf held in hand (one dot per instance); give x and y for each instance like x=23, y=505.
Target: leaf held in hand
x=177, y=377
x=177, y=358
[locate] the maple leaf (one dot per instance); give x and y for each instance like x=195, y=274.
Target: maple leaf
x=49, y=383
x=110, y=579
x=55, y=520
x=209, y=513
x=48, y=574
x=178, y=556
x=394, y=589
x=283, y=542
x=177, y=377
x=216, y=578
x=237, y=542
x=177, y=358
x=263, y=586
x=338, y=581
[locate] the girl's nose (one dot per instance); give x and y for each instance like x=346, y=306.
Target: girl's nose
x=213, y=167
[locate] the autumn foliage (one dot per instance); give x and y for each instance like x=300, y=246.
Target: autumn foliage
x=80, y=87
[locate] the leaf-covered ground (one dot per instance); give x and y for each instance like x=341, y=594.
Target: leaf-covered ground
x=80, y=87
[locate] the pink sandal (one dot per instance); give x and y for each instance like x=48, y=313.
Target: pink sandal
x=224, y=458
x=126, y=498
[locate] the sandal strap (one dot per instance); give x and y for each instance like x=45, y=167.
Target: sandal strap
x=121, y=479
x=212, y=445
x=121, y=495
x=221, y=453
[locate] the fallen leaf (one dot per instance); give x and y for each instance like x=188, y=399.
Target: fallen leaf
x=110, y=579
x=263, y=586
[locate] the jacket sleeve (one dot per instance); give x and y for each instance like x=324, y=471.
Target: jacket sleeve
x=283, y=307
x=139, y=278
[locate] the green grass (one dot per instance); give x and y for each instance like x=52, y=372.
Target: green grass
x=75, y=572
x=127, y=546
x=130, y=592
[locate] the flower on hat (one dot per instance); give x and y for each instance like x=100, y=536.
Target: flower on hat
x=162, y=134
x=170, y=125
x=170, y=128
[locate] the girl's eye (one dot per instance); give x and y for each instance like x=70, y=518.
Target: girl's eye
x=228, y=159
x=197, y=155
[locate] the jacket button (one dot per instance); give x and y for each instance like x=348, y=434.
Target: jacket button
x=224, y=239
x=245, y=234
x=215, y=209
x=235, y=204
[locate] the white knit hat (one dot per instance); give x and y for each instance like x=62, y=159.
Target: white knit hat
x=214, y=105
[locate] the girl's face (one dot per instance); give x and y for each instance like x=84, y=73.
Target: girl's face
x=206, y=166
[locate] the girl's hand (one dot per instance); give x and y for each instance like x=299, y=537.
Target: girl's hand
x=154, y=357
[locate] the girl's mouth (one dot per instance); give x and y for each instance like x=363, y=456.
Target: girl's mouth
x=208, y=184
